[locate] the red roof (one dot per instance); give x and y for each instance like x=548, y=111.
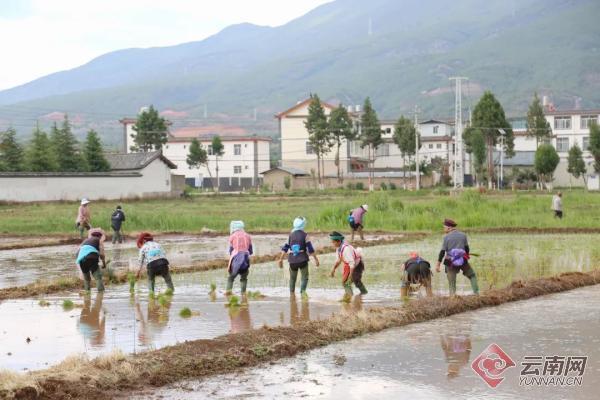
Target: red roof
x=302, y=104
x=208, y=130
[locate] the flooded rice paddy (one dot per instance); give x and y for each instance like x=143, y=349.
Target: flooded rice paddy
x=133, y=323
x=430, y=360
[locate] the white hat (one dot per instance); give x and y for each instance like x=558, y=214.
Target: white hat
x=84, y=201
x=366, y=207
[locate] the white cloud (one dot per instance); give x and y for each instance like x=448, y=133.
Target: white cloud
x=48, y=36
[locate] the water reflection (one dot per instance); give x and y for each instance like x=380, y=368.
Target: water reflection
x=299, y=310
x=457, y=349
x=157, y=320
x=240, y=320
x=92, y=321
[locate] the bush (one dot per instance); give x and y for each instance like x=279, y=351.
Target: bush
x=350, y=186
x=383, y=186
x=287, y=182
x=393, y=186
x=397, y=205
x=359, y=186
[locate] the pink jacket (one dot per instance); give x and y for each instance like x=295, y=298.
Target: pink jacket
x=240, y=241
x=83, y=215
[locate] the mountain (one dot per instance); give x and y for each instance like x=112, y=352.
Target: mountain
x=398, y=52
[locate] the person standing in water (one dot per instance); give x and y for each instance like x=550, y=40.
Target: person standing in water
x=416, y=271
x=557, y=205
x=89, y=254
x=455, y=255
x=154, y=257
x=240, y=250
x=298, y=249
x=116, y=220
x=355, y=220
x=84, y=217
x=353, y=264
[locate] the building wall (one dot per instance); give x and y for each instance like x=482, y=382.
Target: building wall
x=251, y=161
x=152, y=181
x=274, y=180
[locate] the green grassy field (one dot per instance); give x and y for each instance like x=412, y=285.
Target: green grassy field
x=393, y=211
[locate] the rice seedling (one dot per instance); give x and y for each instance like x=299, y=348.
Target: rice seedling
x=163, y=300
x=131, y=280
x=68, y=304
x=233, y=302
x=213, y=287
x=185, y=312
x=43, y=303
x=255, y=295
x=169, y=292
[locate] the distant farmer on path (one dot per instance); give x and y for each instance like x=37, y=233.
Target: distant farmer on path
x=353, y=264
x=240, y=250
x=416, y=271
x=455, y=255
x=557, y=205
x=84, y=217
x=298, y=249
x=116, y=220
x=89, y=254
x=355, y=220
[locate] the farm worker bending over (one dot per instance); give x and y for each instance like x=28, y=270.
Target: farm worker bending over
x=353, y=264
x=416, y=271
x=84, y=217
x=240, y=250
x=90, y=252
x=298, y=248
x=455, y=255
x=355, y=219
x=153, y=255
x=116, y=220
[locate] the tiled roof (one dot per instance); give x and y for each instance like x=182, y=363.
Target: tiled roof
x=289, y=170
x=135, y=161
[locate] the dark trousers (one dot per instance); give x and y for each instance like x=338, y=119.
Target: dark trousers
x=159, y=268
x=89, y=266
x=356, y=278
x=558, y=214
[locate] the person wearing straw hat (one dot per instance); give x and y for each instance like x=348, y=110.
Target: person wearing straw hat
x=353, y=264
x=240, y=250
x=298, y=249
x=355, y=220
x=416, y=271
x=455, y=255
x=83, y=221
x=89, y=254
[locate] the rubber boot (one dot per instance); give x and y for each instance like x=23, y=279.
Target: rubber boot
x=361, y=287
x=303, y=279
x=404, y=292
x=293, y=278
x=169, y=281
x=99, y=282
x=474, y=284
x=243, y=282
x=451, y=283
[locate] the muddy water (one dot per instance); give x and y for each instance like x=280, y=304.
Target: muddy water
x=430, y=360
x=23, y=266
x=118, y=320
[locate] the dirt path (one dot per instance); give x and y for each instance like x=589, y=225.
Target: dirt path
x=111, y=376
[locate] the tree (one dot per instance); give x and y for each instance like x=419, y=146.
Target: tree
x=151, y=131
x=546, y=161
x=489, y=118
x=11, y=152
x=405, y=136
x=537, y=126
x=576, y=164
x=66, y=148
x=94, y=153
x=594, y=146
x=37, y=156
x=370, y=135
x=218, y=150
x=197, y=156
x=318, y=133
x=340, y=129
x=475, y=145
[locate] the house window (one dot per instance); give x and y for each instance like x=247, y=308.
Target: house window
x=209, y=151
x=309, y=148
x=586, y=120
x=246, y=167
x=383, y=150
x=184, y=146
x=237, y=149
x=562, y=122
x=562, y=144
x=431, y=145
x=439, y=146
x=586, y=143
x=436, y=129
x=237, y=169
x=167, y=146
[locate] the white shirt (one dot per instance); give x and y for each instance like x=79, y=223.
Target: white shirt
x=557, y=203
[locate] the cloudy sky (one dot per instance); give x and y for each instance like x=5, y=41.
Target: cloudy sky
x=44, y=36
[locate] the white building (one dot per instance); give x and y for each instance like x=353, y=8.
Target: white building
x=244, y=158
x=296, y=152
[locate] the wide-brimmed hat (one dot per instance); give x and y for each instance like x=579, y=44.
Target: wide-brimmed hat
x=450, y=223
x=84, y=201
x=365, y=207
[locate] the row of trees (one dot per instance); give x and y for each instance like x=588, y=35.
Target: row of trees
x=59, y=151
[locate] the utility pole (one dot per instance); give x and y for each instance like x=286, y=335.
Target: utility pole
x=459, y=173
x=418, y=173
x=501, y=178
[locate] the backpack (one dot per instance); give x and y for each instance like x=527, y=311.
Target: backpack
x=457, y=257
x=351, y=218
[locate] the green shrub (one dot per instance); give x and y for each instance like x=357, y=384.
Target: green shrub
x=383, y=186
x=359, y=186
x=287, y=182
x=393, y=186
x=397, y=205
x=350, y=186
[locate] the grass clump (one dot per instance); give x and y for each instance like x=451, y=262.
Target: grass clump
x=256, y=295
x=68, y=304
x=213, y=287
x=260, y=351
x=185, y=312
x=163, y=300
